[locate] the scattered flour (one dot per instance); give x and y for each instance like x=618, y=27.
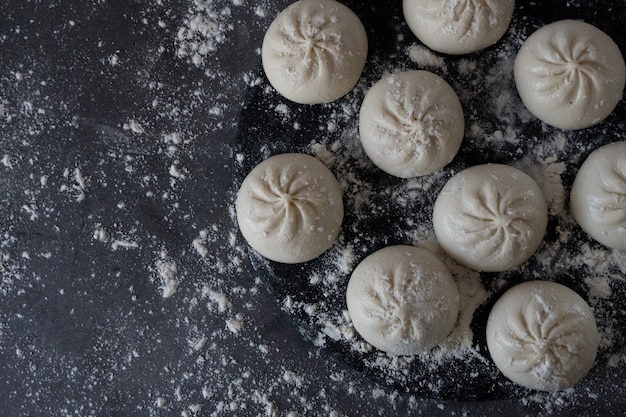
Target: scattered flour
x=168, y=275
x=124, y=244
x=134, y=126
x=214, y=313
x=100, y=234
x=206, y=27
x=599, y=287
x=424, y=57
x=6, y=161
x=553, y=185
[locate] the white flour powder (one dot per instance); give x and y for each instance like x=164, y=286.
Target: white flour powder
x=222, y=324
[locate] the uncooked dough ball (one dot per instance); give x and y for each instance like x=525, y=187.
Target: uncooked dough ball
x=542, y=335
x=570, y=74
x=314, y=51
x=458, y=27
x=289, y=208
x=402, y=300
x=598, y=196
x=411, y=123
x=490, y=217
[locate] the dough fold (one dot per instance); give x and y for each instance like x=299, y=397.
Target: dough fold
x=411, y=123
x=542, y=335
x=490, y=217
x=314, y=51
x=570, y=74
x=598, y=197
x=402, y=300
x=458, y=26
x=289, y=208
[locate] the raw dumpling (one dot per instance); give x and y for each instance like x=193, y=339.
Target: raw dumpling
x=570, y=74
x=460, y=26
x=314, y=51
x=490, y=217
x=542, y=335
x=411, y=123
x=598, y=196
x=290, y=208
x=402, y=300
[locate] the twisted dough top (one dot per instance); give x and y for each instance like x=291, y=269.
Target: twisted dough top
x=402, y=300
x=290, y=208
x=314, y=51
x=411, y=123
x=570, y=74
x=598, y=197
x=542, y=335
x=458, y=26
x=490, y=217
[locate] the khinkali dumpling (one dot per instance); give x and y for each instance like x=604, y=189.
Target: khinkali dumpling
x=411, y=123
x=402, y=300
x=289, y=208
x=542, y=335
x=570, y=74
x=598, y=196
x=314, y=51
x=490, y=217
x=460, y=26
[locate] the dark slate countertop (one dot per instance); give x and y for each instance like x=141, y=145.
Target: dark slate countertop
x=126, y=289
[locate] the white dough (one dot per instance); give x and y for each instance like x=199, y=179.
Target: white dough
x=290, y=208
x=542, y=335
x=598, y=196
x=314, y=51
x=490, y=217
x=411, y=123
x=402, y=300
x=570, y=74
x=458, y=26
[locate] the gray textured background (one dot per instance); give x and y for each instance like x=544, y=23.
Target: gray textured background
x=102, y=204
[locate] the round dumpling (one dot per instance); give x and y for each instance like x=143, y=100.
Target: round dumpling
x=289, y=208
x=402, y=300
x=411, y=123
x=458, y=27
x=598, y=196
x=570, y=74
x=314, y=51
x=490, y=217
x=542, y=335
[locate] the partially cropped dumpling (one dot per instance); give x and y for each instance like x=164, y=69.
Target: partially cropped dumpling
x=458, y=27
x=598, y=195
x=411, y=123
x=289, y=208
x=570, y=74
x=542, y=335
x=490, y=217
x=314, y=51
